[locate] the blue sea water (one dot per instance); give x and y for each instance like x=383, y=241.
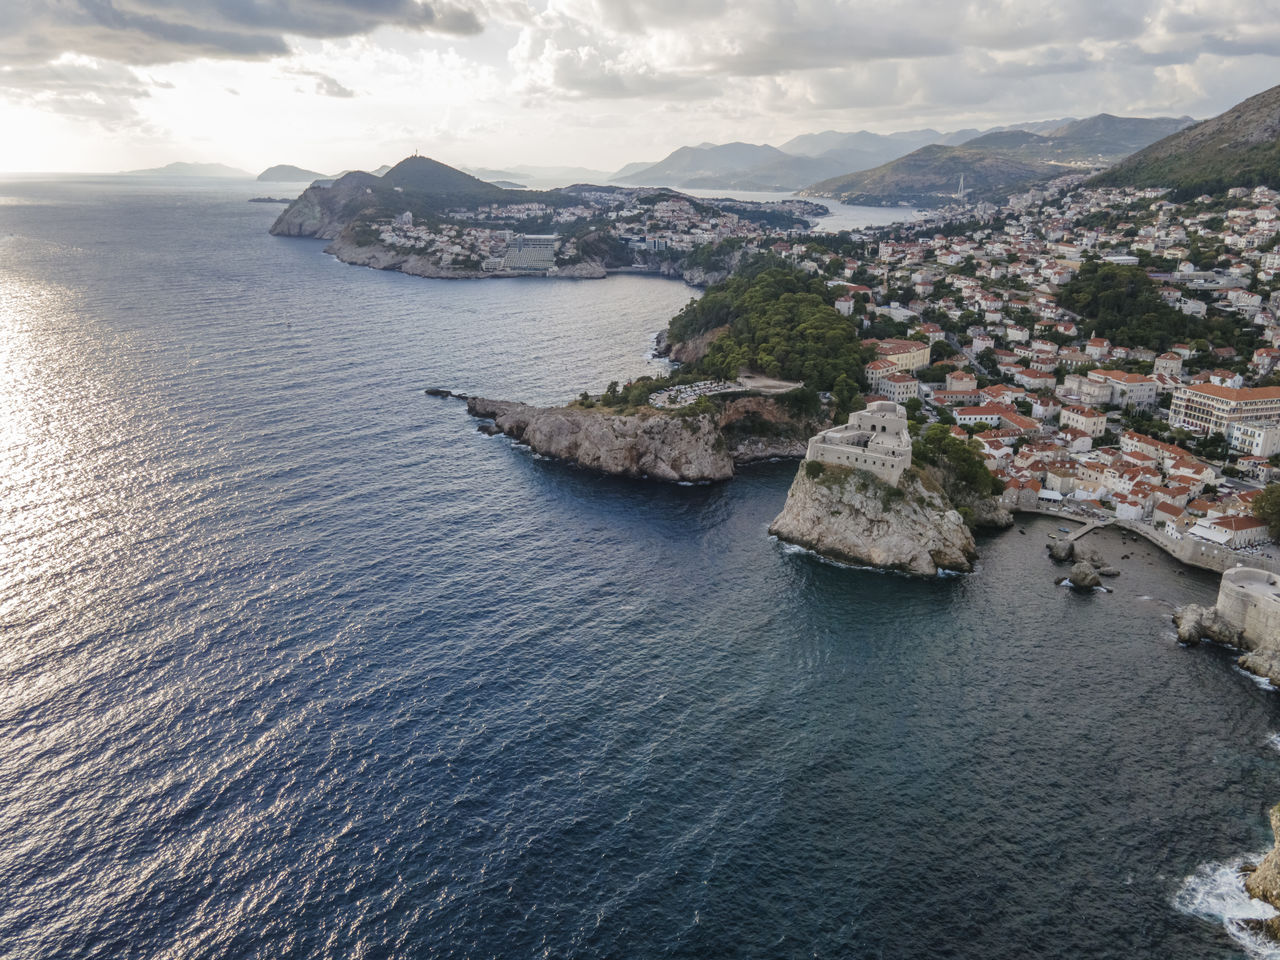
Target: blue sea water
x=294, y=662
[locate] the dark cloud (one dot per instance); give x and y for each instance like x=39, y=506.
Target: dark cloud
x=138, y=32
x=326, y=85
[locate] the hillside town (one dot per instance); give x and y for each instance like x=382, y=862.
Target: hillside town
x=640, y=228
x=1177, y=435
x=1170, y=418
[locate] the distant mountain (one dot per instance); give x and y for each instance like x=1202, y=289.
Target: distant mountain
x=1107, y=136
x=287, y=173
x=490, y=174
x=705, y=162
x=181, y=168
x=931, y=175
x=814, y=157
x=562, y=176
x=629, y=169
x=1238, y=148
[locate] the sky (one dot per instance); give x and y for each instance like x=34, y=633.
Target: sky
x=105, y=85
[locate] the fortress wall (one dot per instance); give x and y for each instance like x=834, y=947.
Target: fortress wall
x=1250, y=599
x=889, y=469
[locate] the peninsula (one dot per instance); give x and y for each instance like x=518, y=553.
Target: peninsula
x=427, y=219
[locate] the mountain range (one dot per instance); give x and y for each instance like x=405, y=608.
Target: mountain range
x=810, y=159
x=997, y=164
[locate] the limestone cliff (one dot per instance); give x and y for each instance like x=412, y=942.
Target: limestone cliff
x=759, y=428
x=1264, y=881
x=654, y=445
x=852, y=516
x=695, y=348
x=323, y=211
x=348, y=250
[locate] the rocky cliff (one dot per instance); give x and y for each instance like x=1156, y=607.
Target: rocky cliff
x=1264, y=881
x=323, y=211
x=657, y=446
x=759, y=428
x=695, y=348
x=851, y=516
x=348, y=250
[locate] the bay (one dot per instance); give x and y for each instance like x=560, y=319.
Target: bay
x=295, y=662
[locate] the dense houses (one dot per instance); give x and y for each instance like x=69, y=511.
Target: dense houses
x=1047, y=401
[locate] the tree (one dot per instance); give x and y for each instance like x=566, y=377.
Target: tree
x=941, y=350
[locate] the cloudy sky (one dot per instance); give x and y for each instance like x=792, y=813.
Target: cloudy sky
x=330, y=84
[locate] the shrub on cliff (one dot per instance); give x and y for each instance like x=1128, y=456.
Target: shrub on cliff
x=964, y=475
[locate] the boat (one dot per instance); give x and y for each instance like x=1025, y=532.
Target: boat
x=1063, y=530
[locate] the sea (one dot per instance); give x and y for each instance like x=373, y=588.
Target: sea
x=296, y=662
x=839, y=216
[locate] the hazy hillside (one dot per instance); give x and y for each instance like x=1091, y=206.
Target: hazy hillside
x=931, y=175
x=704, y=162
x=1240, y=147
x=287, y=173
x=182, y=168
x=814, y=157
x=426, y=176
x=1107, y=135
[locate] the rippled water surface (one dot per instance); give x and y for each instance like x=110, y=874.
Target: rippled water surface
x=295, y=662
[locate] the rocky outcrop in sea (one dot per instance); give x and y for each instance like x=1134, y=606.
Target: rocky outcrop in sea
x=1263, y=881
x=1196, y=623
x=652, y=445
x=854, y=517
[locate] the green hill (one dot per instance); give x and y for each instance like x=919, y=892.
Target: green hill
x=423, y=175
x=931, y=175
x=1239, y=148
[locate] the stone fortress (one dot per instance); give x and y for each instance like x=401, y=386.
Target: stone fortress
x=875, y=439
x=1250, y=600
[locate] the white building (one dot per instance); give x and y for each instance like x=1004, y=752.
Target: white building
x=1255, y=438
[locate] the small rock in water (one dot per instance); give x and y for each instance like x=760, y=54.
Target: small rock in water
x=1084, y=577
x=1062, y=550
x=1195, y=623
x=438, y=392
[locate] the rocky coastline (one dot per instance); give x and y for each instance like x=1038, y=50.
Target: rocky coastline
x=650, y=444
x=379, y=257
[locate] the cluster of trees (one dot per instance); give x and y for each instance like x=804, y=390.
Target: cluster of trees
x=965, y=475
x=1266, y=507
x=1122, y=304
x=782, y=324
